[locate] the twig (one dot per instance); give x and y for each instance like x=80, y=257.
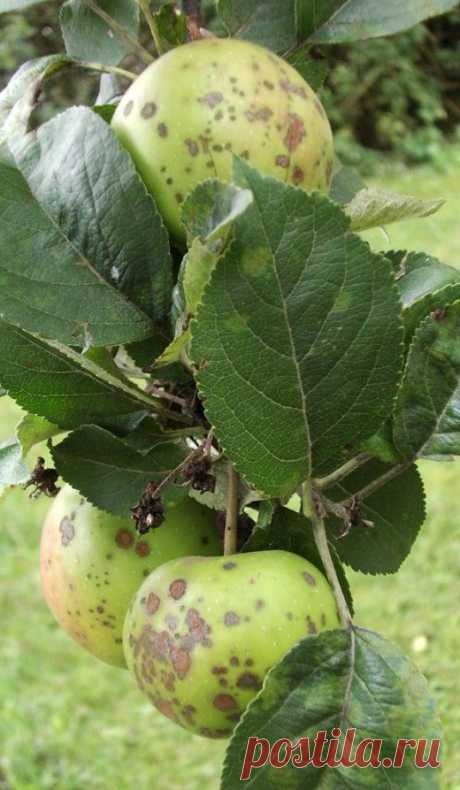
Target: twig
x=174, y=416
x=346, y=508
x=342, y=471
x=379, y=482
x=120, y=31
x=129, y=75
x=157, y=392
x=231, y=518
x=207, y=446
x=191, y=432
x=313, y=506
x=152, y=23
x=171, y=476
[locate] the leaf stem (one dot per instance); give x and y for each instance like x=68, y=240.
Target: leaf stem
x=379, y=482
x=231, y=518
x=152, y=23
x=129, y=75
x=120, y=31
x=342, y=471
x=313, y=506
x=171, y=476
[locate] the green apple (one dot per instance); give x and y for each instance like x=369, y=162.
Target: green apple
x=201, y=633
x=187, y=114
x=92, y=563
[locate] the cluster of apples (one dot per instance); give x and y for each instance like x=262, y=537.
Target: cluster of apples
x=199, y=630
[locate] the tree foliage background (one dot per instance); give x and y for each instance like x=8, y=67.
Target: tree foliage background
x=398, y=94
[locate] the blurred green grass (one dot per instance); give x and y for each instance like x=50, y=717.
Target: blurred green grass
x=69, y=722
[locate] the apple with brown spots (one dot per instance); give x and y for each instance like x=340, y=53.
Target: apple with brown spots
x=92, y=563
x=188, y=113
x=201, y=633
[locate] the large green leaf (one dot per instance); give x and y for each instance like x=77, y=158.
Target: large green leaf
x=427, y=413
x=290, y=531
x=371, y=208
x=347, y=680
x=88, y=37
x=270, y=23
x=340, y=21
x=57, y=244
x=298, y=338
x=55, y=382
x=111, y=473
x=397, y=511
x=113, y=222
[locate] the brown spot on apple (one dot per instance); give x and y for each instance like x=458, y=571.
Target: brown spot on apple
x=295, y=133
x=149, y=109
x=124, y=538
x=224, y=702
x=212, y=99
x=67, y=530
x=177, y=589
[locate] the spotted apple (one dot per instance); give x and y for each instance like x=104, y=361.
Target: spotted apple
x=92, y=563
x=187, y=114
x=201, y=633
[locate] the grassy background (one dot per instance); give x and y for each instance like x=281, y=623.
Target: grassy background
x=69, y=722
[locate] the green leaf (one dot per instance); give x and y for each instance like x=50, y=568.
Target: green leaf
x=298, y=309
x=174, y=350
x=427, y=412
x=110, y=473
x=112, y=222
x=270, y=23
x=349, y=680
x=26, y=82
x=381, y=445
x=371, y=208
x=69, y=300
x=105, y=111
x=197, y=269
x=210, y=210
x=13, y=470
x=172, y=26
x=88, y=37
x=425, y=285
x=341, y=21
x=33, y=429
x=313, y=71
x=290, y=531
x=397, y=511
x=55, y=382
x=346, y=183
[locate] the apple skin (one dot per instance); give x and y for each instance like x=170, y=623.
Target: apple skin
x=92, y=563
x=187, y=114
x=201, y=633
